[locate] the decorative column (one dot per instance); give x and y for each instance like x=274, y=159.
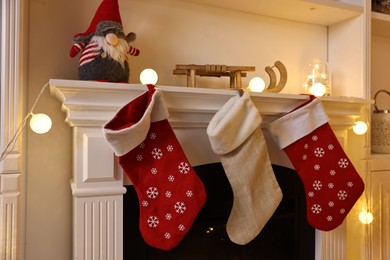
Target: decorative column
x=97, y=188
x=10, y=117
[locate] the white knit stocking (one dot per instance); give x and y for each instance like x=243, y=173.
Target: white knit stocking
x=235, y=135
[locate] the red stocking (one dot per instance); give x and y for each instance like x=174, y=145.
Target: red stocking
x=170, y=193
x=331, y=182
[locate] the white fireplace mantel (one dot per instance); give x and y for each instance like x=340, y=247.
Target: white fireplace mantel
x=97, y=184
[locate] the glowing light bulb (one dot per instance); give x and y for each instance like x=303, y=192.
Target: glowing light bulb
x=256, y=84
x=360, y=128
x=148, y=76
x=40, y=123
x=318, y=89
x=366, y=217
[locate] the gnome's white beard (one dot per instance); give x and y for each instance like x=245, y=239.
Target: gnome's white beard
x=117, y=52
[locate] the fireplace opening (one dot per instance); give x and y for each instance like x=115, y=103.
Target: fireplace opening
x=287, y=235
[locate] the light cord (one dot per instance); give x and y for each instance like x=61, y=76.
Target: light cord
x=11, y=144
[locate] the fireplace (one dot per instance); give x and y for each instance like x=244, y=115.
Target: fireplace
x=98, y=181
x=287, y=235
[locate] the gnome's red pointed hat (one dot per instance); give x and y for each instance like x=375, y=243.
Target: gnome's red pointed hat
x=107, y=11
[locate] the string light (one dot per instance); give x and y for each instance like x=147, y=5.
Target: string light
x=318, y=89
x=40, y=123
x=360, y=128
x=148, y=76
x=366, y=217
x=11, y=144
x=256, y=84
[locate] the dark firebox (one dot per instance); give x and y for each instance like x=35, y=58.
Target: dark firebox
x=287, y=235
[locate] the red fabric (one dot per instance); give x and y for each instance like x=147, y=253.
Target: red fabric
x=107, y=11
x=132, y=112
x=331, y=183
x=133, y=51
x=170, y=194
x=76, y=48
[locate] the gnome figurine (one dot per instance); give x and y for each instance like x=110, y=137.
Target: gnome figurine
x=104, y=47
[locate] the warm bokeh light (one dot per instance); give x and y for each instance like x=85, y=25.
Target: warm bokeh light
x=318, y=89
x=148, y=76
x=256, y=84
x=40, y=123
x=366, y=217
x=360, y=128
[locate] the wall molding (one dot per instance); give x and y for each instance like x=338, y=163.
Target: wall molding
x=11, y=110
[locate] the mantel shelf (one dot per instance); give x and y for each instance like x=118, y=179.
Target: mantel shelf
x=89, y=103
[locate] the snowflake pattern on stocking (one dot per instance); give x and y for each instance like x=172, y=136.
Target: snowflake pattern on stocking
x=184, y=167
x=153, y=221
x=171, y=178
x=170, y=194
x=343, y=163
x=181, y=227
x=153, y=136
x=149, y=150
x=152, y=193
x=316, y=208
x=180, y=207
x=317, y=185
x=316, y=155
x=319, y=152
x=157, y=154
x=342, y=195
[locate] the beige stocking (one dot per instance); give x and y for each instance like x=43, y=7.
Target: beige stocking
x=235, y=135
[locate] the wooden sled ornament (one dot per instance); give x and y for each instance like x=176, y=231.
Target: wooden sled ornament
x=234, y=72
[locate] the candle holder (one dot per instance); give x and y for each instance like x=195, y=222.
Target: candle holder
x=317, y=78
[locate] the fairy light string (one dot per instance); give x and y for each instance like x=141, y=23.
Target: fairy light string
x=11, y=144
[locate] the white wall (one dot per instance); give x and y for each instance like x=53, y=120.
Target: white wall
x=181, y=33
x=380, y=51
x=169, y=32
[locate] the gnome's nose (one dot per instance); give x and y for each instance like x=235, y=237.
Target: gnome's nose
x=112, y=39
